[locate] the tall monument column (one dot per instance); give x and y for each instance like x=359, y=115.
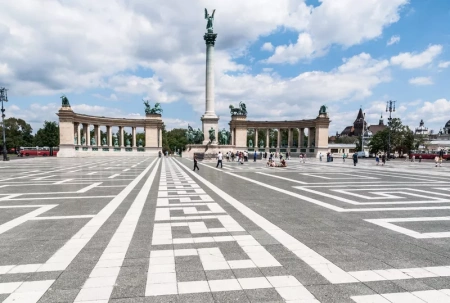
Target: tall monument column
x=209, y=119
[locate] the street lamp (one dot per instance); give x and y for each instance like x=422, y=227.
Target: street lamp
x=390, y=107
x=4, y=98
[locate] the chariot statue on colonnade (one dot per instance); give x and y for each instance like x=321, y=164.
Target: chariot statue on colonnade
x=151, y=111
x=241, y=110
x=64, y=101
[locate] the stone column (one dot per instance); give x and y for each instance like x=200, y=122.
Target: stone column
x=301, y=138
x=267, y=138
x=79, y=133
x=133, y=132
x=160, y=137
x=279, y=138
x=256, y=139
x=290, y=138
x=309, y=138
x=232, y=136
x=209, y=119
x=87, y=134
x=121, y=136
x=109, y=135
x=96, y=135
x=76, y=127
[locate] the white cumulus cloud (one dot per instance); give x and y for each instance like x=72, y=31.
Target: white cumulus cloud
x=444, y=64
x=267, y=47
x=394, y=39
x=415, y=60
x=344, y=22
x=421, y=81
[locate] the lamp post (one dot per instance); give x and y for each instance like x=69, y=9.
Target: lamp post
x=4, y=98
x=390, y=107
x=362, y=134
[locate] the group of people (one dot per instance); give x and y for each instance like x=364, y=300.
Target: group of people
x=240, y=156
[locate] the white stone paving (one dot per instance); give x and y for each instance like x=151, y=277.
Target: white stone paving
x=162, y=279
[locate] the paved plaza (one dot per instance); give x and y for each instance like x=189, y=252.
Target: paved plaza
x=152, y=230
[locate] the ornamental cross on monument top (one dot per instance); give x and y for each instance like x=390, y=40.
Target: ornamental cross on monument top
x=209, y=119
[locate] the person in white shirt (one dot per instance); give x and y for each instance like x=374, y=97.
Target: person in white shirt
x=219, y=160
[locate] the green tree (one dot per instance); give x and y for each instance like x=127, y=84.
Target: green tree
x=17, y=132
x=175, y=138
x=48, y=135
x=379, y=142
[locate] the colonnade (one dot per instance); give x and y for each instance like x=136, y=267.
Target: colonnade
x=82, y=130
x=290, y=144
x=75, y=135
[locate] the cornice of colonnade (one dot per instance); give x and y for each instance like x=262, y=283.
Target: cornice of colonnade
x=66, y=114
x=306, y=123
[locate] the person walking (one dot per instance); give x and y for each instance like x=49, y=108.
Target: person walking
x=195, y=164
x=355, y=159
x=254, y=157
x=343, y=157
x=320, y=157
x=441, y=156
x=219, y=160
x=383, y=159
x=377, y=159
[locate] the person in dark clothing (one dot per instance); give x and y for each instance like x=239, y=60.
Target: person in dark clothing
x=383, y=159
x=355, y=159
x=195, y=164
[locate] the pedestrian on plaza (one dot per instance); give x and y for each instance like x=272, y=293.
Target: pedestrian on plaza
x=343, y=157
x=219, y=160
x=320, y=157
x=304, y=158
x=441, y=156
x=195, y=164
x=377, y=159
x=254, y=157
x=383, y=159
x=420, y=158
x=281, y=156
x=355, y=158
x=228, y=156
x=245, y=156
x=265, y=155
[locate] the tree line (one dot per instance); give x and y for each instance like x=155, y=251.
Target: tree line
x=19, y=133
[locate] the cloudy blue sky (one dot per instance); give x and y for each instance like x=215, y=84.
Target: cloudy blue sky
x=283, y=58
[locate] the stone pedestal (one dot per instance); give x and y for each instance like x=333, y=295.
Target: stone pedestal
x=207, y=123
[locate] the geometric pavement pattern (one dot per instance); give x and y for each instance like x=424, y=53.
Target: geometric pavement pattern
x=104, y=231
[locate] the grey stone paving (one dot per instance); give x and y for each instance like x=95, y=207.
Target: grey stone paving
x=151, y=230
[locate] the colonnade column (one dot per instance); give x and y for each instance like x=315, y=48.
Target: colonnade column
x=309, y=137
x=76, y=132
x=232, y=136
x=86, y=134
x=97, y=135
x=267, y=138
x=301, y=138
x=121, y=136
x=256, y=138
x=109, y=135
x=133, y=133
x=279, y=138
x=289, y=138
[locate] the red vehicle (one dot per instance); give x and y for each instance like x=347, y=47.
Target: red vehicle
x=38, y=151
x=428, y=155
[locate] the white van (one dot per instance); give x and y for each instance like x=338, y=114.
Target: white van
x=363, y=154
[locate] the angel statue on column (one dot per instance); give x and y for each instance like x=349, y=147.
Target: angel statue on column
x=210, y=18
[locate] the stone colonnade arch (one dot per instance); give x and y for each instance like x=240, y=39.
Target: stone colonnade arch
x=75, y=136
x=317, y=139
